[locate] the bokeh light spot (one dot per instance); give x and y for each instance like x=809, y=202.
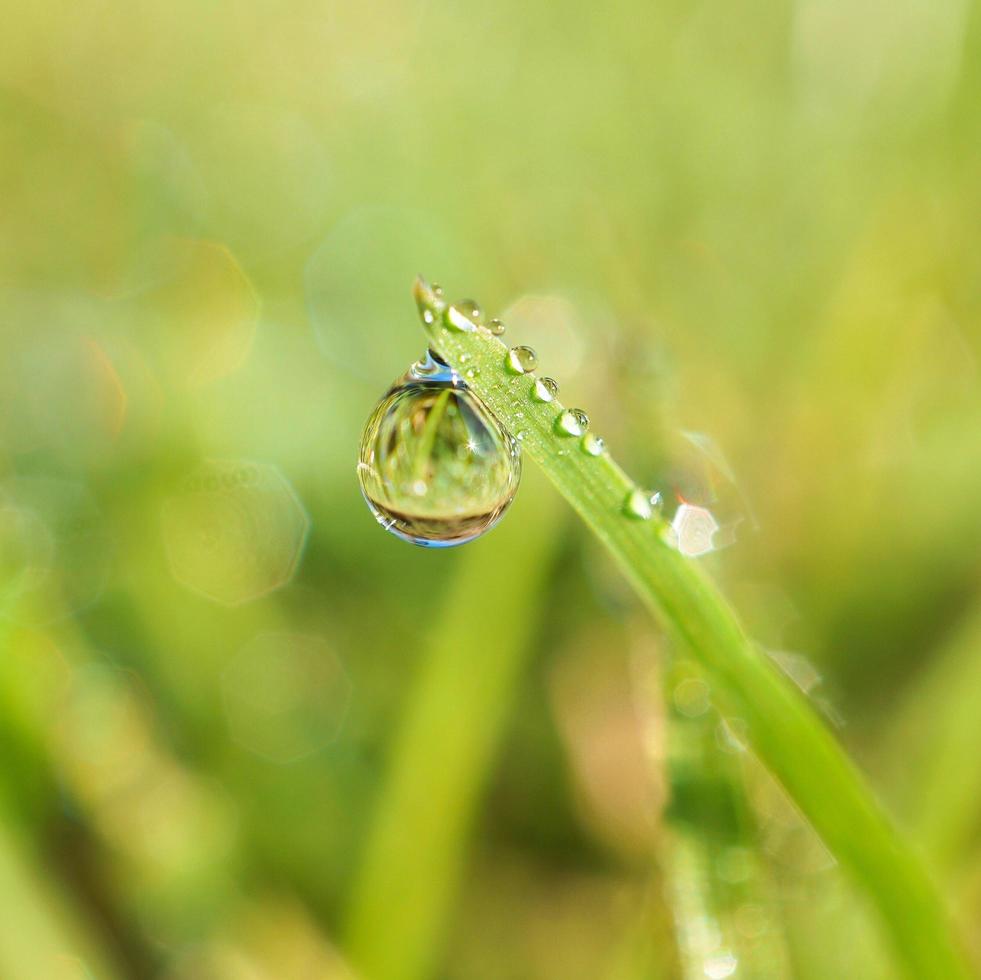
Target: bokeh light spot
x=236, y=532
x=286, y=695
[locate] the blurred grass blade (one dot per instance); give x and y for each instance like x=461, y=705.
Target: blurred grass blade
x=781, y=726
x=934, y=747
x=40, y=936
x=445, y=745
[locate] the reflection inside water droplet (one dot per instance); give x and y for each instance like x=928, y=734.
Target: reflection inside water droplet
x=436, y=466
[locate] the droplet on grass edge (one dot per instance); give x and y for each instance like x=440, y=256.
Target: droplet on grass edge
x=544, y=389
x=572, y=422
x=521, y=360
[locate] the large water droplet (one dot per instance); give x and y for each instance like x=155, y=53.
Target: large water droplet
x=572, y=422
x=592, y=445
x=436, y=466
x=521, y=360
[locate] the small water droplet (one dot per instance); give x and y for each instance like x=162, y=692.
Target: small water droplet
x=437, y=290
x=544, y=389
x=428, y=317
x=436, y=466
x=520, y=435
x=464, y=357
x=462, y=316
x=572, y=422
x=592, y=445
x=496, y=327
x=521, y=360
x=638, y=505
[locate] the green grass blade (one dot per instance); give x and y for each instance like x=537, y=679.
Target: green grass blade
x=445, y=745
x=934, y=745
x=781, y=726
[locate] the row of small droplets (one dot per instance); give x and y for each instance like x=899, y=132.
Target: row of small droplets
x=466, y=316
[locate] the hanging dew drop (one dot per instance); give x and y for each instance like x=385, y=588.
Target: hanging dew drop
x=436, y=467
x=572, y=422
x=521, y=360
x=592, y=445
x=496, y=327
x=544, y=389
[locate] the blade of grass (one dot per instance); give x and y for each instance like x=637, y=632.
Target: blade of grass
x=478, y=642
x=781, y=726
x=934, y=744
x=41, y=935
x=712, y=826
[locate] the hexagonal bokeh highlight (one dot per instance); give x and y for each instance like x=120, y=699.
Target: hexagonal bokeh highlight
x=285, y=695
x=55, y=552
x=236, y=532
x=694, y=530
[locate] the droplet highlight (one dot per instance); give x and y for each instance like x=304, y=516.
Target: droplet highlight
x=572, y=422
x=521, y=360
x=545, y=389
x=436, y=467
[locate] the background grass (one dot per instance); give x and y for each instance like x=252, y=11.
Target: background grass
x=757, y=221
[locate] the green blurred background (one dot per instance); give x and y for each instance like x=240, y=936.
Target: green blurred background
x=244, y=733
